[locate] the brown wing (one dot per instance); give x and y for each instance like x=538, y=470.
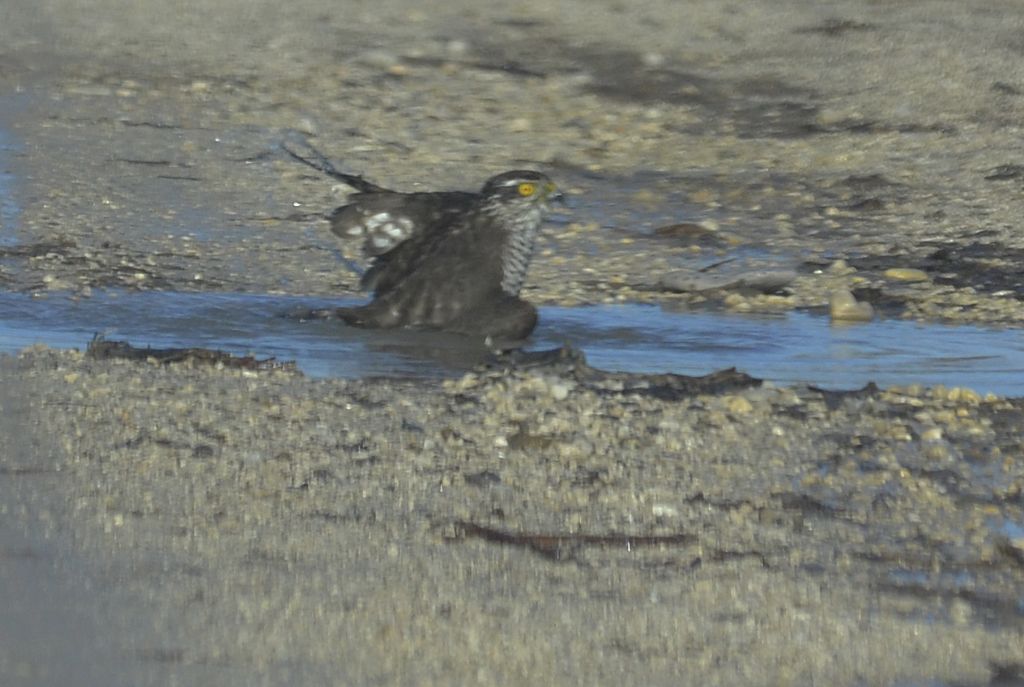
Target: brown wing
x=445, y=251
x=434, y=280
x=385, y=219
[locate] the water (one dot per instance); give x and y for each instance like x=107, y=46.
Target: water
x=791, y=348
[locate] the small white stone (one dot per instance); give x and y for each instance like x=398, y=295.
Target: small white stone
x=663, y=510
x=653, y=60
x=306, y=125
x=559, y=391
x=457, y=47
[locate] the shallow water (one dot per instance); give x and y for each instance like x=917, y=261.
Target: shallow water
x=792, y=348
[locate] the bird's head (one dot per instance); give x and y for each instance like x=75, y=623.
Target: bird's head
x=521, y=190
x=516, y=202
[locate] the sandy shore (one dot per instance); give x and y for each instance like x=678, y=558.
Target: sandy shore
x=519, y=526
x=187, y=524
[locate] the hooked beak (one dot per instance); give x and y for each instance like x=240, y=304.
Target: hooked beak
x=553, y=195
x=561, y=200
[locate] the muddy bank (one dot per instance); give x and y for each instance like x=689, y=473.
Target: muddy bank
x=555, y=523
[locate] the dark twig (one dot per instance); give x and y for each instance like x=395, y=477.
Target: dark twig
x=563, y=546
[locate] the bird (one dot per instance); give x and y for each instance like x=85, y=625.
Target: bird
x=453, y=261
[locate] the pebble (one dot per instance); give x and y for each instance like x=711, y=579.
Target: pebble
x=520, y=125
x=559, y=391
x=964, y=395
x=840, y=267
x=653, y=60
x=844, y=307
x=306, y=125
x=739, y=405
x=908, y=274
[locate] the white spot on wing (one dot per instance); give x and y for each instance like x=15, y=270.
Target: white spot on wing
x=381, y=241
x=375, y=221
x=392, y=231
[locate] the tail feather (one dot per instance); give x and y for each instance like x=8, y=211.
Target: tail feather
x=319, y=162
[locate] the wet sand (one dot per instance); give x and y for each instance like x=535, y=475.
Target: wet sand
x=515, y=526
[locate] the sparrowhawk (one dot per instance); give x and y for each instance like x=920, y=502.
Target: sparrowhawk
x=449, y=260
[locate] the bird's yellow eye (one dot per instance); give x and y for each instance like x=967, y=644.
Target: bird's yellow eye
x=527, y=189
